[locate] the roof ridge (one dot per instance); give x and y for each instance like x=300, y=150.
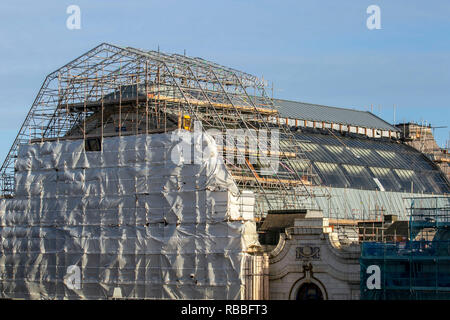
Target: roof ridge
x=316, y=112
x=322, y=105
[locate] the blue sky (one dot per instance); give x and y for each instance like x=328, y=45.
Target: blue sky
x=313, y=51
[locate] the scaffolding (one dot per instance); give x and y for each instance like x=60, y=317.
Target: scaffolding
x=115, y=91
x=418, y=268
x=421, y=137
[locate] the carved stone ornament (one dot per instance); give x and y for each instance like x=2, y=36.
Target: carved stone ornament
x=308, y=253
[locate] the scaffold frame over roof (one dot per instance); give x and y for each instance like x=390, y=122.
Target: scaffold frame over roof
x=112, y=90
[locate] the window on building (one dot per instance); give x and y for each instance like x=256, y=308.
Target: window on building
x=386, y=177
x=332, y=174
x=359, y=177
x=309, y=291
x=409, y=180
x=93, y=144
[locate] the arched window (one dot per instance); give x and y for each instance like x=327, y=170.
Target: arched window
x=309, y=291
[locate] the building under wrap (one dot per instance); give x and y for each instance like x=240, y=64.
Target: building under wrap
x=128, y=219
x=109, y=191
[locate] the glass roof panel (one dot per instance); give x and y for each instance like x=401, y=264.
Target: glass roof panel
x=397, y=166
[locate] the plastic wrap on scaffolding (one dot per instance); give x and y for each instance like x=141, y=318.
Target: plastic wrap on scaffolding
x=142, y=218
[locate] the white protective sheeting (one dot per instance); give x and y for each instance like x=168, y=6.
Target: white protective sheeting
x=126, y=221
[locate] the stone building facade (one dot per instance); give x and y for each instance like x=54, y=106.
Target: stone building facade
x=309, y=262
